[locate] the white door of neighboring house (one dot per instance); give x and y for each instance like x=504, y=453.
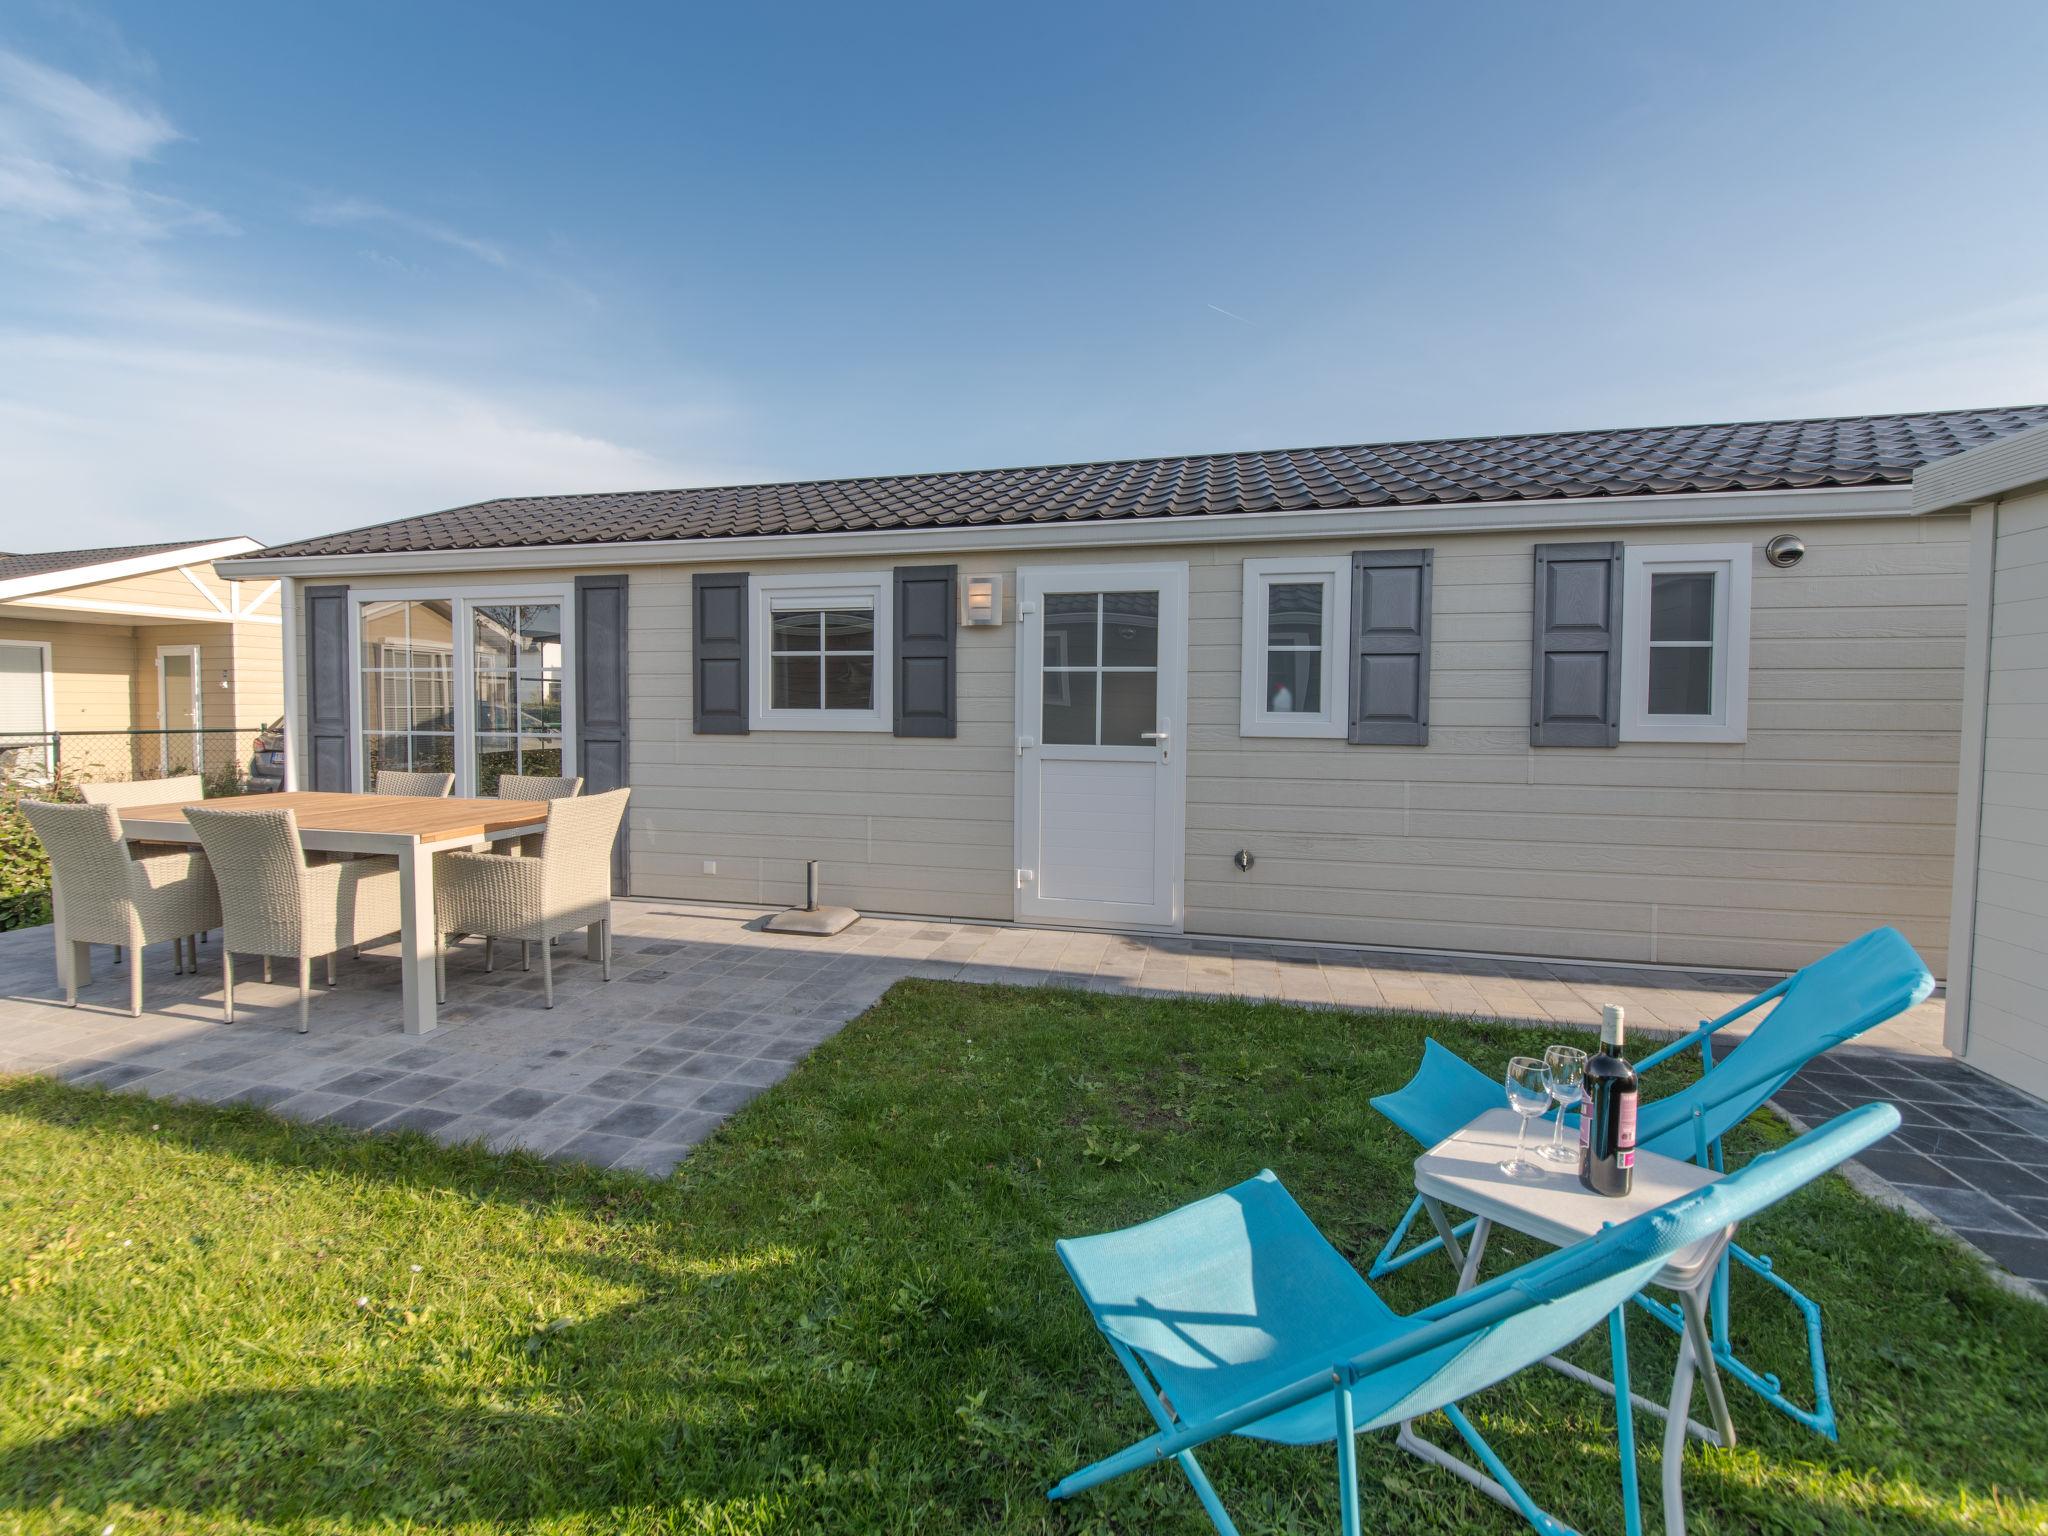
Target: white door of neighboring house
x=1101, y=743
x=177, y=708
x=26, y=708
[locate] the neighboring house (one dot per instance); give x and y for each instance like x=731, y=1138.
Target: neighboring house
x=97, y=645
x=1998, y=982
x=1522, y=695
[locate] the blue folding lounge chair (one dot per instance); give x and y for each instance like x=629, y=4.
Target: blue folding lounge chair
x=1233, y=1315
x=1837, y=998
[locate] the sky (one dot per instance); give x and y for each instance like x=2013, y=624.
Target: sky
x=283, y=269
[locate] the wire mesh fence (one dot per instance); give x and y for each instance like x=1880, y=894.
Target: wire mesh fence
x=223, y=756
x=52, y=766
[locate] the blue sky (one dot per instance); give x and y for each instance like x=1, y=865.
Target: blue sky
x=277, y=269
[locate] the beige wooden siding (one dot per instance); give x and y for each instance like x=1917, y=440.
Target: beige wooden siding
x=1837, y=814
x=157, y=589
x=2009, y=960
x=94, y=666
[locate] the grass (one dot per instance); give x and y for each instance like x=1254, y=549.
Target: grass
x=844, y=1313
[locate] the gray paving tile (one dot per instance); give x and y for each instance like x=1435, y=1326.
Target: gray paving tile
x=1970, y=1209
x=728, y=1097
x=621, y=1085
x=263, y=1095
x=677, y=1090
x=420, y=1117
x=467, y=1096
x=635, y=1120
x=761, y=1071
x=363, y=1114
x=415, y=1088
x=521, y=1103
x=595, y=1148
x=362, y=1080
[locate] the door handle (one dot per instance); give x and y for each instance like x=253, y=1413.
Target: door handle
x=1164, y=738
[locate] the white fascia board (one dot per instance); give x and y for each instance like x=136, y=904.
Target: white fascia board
x=115, y=570
x=1983, y=474
x=1682, y=510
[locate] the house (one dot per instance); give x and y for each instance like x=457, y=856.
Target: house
x=1684, y=695
x=1997, y=1014
x=136, y=661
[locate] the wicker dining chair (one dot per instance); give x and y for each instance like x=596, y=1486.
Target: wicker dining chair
x=185, y=789
x=103, y=894
x=524, y=786
x=428, y=786
x=507, y=896
x=275, y=904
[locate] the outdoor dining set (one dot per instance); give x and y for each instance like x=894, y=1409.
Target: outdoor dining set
x=306, y=876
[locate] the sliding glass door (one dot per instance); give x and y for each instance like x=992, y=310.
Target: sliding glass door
x=471, y=684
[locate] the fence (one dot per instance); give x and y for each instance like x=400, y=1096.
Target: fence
x=221, y=755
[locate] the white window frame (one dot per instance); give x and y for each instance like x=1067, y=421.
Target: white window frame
x=873, y=590
x=1334, y=718
x=49, y=732
x=462, y=596
x=1730, y=565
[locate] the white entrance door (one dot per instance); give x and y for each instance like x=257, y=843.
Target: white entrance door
x=177, y=708
x=1101, y=743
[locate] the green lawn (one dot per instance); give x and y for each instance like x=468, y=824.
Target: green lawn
x=844, y=1313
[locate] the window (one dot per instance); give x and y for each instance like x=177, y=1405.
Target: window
x=823, y=646
x=1685, y=643
x=1100, y=681
x=473, y=685
x=1296, y=618
x=517, y=665
x=27, y=749
x=408, y=686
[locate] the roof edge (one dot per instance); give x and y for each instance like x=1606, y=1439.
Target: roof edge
x=199, y=552
x=1983, y=473
x=1829, y=503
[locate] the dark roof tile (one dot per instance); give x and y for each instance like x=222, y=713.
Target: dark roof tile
x=1657, y=461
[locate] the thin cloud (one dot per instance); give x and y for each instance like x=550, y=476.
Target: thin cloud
x=343, y=212
x=69, y=153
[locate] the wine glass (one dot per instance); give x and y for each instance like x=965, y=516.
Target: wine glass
x=1528, y=1083
x=1566, y=1065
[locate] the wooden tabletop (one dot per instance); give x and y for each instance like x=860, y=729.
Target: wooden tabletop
x=388, y=815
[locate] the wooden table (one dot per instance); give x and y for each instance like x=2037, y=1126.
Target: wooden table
x=411, y=828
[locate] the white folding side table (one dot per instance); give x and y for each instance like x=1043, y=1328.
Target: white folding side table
x=1463, y=1170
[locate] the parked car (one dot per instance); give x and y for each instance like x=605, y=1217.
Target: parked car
x=266, y=768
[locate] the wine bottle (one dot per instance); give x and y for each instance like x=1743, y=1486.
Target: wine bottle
x=1607, y=1114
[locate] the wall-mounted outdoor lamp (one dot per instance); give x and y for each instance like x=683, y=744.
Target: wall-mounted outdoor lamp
x=981, y=600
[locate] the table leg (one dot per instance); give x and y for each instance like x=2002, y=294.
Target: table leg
x=1696, y=1331
x=1675, y=1417
x=1473, y=1254
x=416, y=938
x=1444, y=1230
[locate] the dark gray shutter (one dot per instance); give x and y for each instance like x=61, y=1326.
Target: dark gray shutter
x=602, y=702
x=328, y=673
x=720, y=601
x=1575, y=670
x=924, y=660
x=1390, y=591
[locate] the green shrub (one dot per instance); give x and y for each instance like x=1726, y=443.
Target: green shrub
x=24, y=867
